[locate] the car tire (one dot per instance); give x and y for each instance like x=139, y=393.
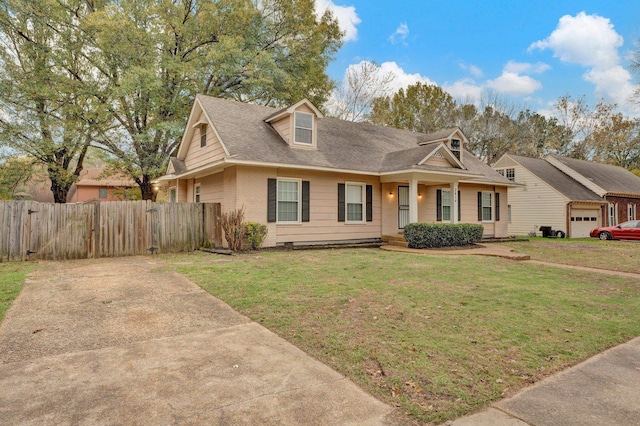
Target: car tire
x=604, y=236
x=560, y=234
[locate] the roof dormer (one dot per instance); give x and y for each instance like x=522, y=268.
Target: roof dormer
x=297, y=125
x=452, y=137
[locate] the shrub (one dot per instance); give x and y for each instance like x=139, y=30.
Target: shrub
x=432, y=235
x=254, y=234
x=232, y=224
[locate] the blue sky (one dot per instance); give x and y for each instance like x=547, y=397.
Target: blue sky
x=531, y=51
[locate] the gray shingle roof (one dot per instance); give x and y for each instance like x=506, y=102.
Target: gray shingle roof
x=340, y=144
x=612, y=179
x=564, y=184
x=438, y=135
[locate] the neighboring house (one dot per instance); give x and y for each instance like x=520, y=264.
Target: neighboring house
x=92, y=187
x=89, y=187
x=313, y=179
x=573, y=196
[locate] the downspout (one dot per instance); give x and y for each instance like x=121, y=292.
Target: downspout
x=567, y=219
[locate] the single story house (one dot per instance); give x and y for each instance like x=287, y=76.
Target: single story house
x=91, y=186
x=570, y=195
x=313, y=179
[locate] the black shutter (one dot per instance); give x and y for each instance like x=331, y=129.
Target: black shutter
x=341, y=202
x=479, y=206
x=305, y=201
x=439, y=205
x=459, y=208
x=497, y=206
x=272, y=193
x=369, y=203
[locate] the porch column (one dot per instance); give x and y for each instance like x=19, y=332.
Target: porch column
x=413, y=200
x=454, y=202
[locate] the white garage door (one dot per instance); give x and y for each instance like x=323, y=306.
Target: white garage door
x=583, y=221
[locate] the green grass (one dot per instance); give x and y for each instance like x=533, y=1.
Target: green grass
x=12, y=276
x=438, y=337
x=593, y=253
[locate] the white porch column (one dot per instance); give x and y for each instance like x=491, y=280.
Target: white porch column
x=454, y=202
x=413, y=200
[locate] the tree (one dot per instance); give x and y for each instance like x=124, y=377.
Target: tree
x=43, y=113
x=363, y=83
x=421, y=107
x=616, y=140
x=14, y=173
x=152, y=57
x=537, y=136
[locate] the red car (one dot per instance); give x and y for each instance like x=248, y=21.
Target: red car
x=625, y=231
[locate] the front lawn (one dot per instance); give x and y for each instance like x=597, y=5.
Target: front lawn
x=437, y=337
x=593, y=253
x=12, y=276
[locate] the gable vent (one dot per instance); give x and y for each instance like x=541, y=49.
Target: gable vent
x=438, y=155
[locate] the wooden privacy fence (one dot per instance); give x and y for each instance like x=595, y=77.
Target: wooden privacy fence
x=31, y=230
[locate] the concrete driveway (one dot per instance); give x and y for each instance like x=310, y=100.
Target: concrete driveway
x=125, y=341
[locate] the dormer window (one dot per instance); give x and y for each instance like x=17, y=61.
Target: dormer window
x=456, y=147
x=303, y=128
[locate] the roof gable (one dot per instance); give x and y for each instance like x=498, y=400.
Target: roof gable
x=442, y=151
x=290, y=110
x=197, y=117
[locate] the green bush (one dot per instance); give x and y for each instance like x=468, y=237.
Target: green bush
x=432, y=235
x=255, y=233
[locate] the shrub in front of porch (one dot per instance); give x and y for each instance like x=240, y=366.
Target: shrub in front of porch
x=434, y=235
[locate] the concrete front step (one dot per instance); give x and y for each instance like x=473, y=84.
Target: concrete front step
x=395, y=240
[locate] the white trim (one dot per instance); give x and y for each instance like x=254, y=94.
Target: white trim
x=188, y=132
x=632, y=211
x=292, y=108
x=197, y=193
x=442, y=191
x=299, y=202
x=448, y=153
x=493, y=207
x=311, y=144
x=363, y=193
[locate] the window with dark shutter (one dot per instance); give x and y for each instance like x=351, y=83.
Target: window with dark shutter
x=305, y=201
x=341, y=206
x=459, y=207
x=497, y=213
x=439, y=205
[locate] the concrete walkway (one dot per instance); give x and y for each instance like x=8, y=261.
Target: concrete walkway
x=124, y=341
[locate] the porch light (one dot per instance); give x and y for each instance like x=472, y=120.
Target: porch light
x=391, y=194
x=419, y=195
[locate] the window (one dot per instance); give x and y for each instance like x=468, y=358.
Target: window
x=196, y=193
x=303, y=128
x=173, y=197
x=631, y=212
x=613, y=214
x=288, y=201
x=487, y=206
x=102, y=192
x=203, y=135
x=355, y=202
x=446, y=205
x=508, y=173
x=455, y=147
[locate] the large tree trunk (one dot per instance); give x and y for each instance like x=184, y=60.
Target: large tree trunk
x=146, y=189
x=60, y=192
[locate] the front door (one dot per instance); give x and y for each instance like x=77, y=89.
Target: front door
x=403, y=206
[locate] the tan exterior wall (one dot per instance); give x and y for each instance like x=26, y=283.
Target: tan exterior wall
x=534, y=205
x=212, y=152
x=283, y=127
x=438, y=162
x=90, y=193
x=211, y=188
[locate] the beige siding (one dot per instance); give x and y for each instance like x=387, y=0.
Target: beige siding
x=283, y=127
x=438, y=162
x=505, y=162
x=534, y=205
x=182, y=190
x=212, y=152
x=211, y=188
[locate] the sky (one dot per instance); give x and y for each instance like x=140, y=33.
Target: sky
x=532, y=51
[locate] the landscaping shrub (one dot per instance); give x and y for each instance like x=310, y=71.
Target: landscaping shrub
x=255, y=234
x=432, y=235
x=232, y=224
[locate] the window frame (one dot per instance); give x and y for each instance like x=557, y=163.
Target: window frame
x=311, y=129
x=298, y=201
x=613, y=214
x=203, y=135
x=491, y=206
x=197, y=193
x=363, y=202
x=102, y=191
x=632, y=211
x=442, y=205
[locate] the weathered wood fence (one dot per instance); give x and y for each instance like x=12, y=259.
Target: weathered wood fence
x=31, y=230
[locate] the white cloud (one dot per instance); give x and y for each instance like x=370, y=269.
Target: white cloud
x=511, y=83
x=400, y=35
x=401, y=78
x=525, y=67
x=346, y=15
x=466, y=89
x=473, y=70
x=588, y=40
x=592, y=41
